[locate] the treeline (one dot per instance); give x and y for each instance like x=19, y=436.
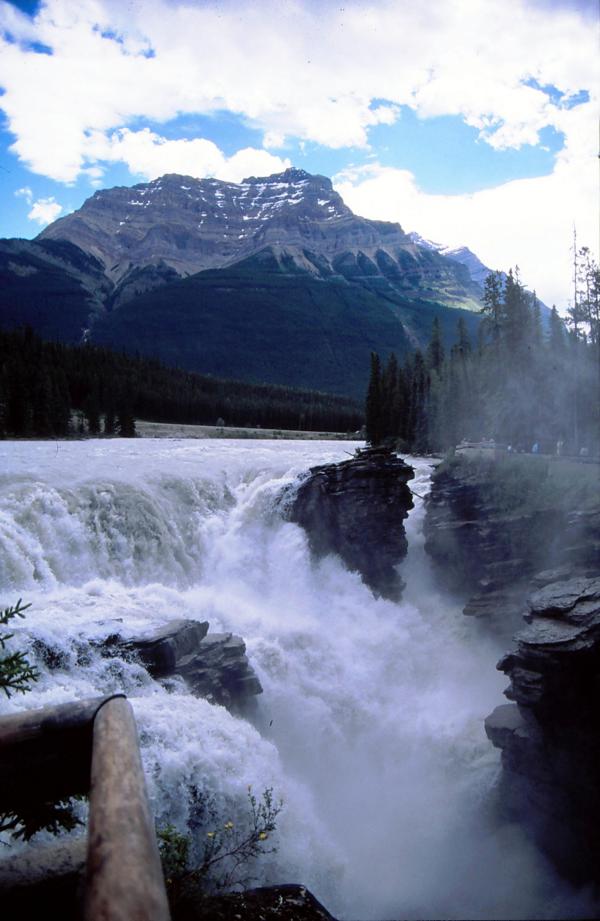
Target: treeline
x=523, y=382
x=49, y=389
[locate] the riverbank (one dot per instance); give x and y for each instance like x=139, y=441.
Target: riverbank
x=178, y=430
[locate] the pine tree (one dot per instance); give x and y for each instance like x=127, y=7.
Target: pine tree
x=125, y=420
x=389, y=398
x=374, y=402
x=463, y=343
x=492, y=308
x=92, y=408
x=435, y=349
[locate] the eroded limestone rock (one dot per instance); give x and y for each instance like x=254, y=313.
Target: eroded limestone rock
x=549, y=736
x=356, y=509
x=214, y=666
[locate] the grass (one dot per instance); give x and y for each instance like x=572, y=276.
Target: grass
x=182, y=430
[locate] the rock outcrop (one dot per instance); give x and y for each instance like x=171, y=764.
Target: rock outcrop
x=46, y=880
x=356, y=509
x=483, y=552
x=491, y=547
x=279, y=903
x=214, y=666
x=549, y=735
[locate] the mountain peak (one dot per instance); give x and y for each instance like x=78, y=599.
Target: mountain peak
x=197, y=224
x=291, y=176
x=187, y=225
x=477, y=270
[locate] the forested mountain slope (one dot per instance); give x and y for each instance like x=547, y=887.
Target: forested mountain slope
x=274, y=280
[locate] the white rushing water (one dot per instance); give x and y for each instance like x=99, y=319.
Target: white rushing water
x=371, y=723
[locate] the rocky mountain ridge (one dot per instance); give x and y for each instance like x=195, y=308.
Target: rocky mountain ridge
x=191, y=225
x=273, y=280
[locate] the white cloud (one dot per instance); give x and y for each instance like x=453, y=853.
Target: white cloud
x=321, y=73
x=527, y=221
x=150, y=155
x=44, y=211
x=302, y=70
x=25, y=193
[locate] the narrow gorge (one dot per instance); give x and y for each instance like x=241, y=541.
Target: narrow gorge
x=230, y=589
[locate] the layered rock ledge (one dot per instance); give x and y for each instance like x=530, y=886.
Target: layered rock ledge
x=549, y=736
x=515, y=548
x=356, y=509
x=214, y=666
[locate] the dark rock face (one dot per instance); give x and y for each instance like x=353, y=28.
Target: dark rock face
x=356, y=509
x=48, y=881
x=214, y=666
x=484, y=553
x=549, y=735
x=280, y=903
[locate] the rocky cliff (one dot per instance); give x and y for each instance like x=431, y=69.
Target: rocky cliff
x=549, y=735
x=356, y=509
x=484, y=548
x=493, y=553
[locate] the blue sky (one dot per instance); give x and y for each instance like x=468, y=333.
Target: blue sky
x=470, y=121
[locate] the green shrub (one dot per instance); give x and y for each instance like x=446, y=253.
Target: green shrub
x=16, y=674
x=227, y=849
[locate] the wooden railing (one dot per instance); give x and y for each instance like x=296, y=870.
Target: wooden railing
x=91, y=747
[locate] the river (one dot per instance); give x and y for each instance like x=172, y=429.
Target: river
x=370, y=727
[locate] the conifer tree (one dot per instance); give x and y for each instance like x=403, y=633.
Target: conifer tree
x=492, y=306
x=435, y=349
x=389, y=397
x=92, y=408
x=374, y=403
x=520, y=386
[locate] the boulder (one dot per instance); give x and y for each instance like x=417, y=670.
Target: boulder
x=162, y=650
x=214, y=666
x=281, y=903
x=356, y=509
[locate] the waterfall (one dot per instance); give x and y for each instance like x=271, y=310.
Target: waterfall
x=370, y=727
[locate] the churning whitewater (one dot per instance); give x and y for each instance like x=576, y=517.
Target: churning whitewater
x=370, y=727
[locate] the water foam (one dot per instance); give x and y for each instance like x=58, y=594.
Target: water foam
x=370, y=726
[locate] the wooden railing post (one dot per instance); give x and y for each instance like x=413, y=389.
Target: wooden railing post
x=124, y=874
